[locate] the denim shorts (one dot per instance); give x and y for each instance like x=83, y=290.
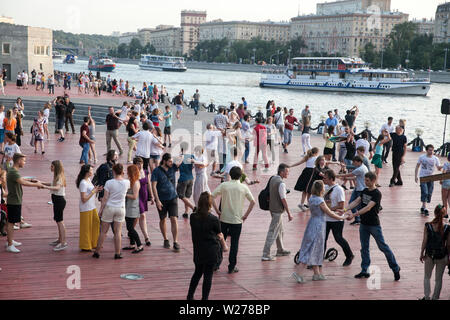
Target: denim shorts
x=446, y=184
x=287, y=136
x=2, y=135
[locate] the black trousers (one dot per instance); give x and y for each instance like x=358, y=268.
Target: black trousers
x=205, y=270
x=396, y=162
x=69, y=119
x=132, y=233
x=386, y=148
x=234, y=231
x=336, y=228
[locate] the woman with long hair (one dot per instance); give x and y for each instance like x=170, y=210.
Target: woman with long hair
x=145, y=195
x=39, y=131
x=207, y=240
x=327, y=136
x=305, y=177
x=271, y=136
x=320, y=166
x=46, y=111
x=132, y=129
x=19, y=130
x=435, y=251
x=377, y=159
x=91, y=125
x=132, y=209
x=9, y=122
x=312, y=248
x=58, y=191
x=201, y=176
x=89, y=220
x=19, y=104
x=306, y=138
x=156, y=148
x=156, y=117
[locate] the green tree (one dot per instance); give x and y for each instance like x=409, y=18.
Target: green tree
x=135, y=49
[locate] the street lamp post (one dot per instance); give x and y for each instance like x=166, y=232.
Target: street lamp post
x=445, y=59
x=254, y=55
x=278, y=56
x=382, y=56
x=201, y=54
x=407, y=58
x=289, y=57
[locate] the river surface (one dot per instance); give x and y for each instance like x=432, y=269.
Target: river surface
x=225, y=86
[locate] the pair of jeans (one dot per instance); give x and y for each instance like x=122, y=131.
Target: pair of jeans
x=85, y=152
x=376, y=232
x=132, y=233
x=247, y=150
x=355, y=195
x=51, y=89
x=234, y=231
x=337, y=228
x=426, y=191
x=205, y=270
x=196, y=104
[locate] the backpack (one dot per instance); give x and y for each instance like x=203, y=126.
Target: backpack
x=435, y=248
x=264, y=197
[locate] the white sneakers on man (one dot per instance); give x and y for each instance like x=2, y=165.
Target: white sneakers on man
x=12, y=249
x=14, y=243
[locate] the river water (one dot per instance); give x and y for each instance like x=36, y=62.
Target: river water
x=226, y=86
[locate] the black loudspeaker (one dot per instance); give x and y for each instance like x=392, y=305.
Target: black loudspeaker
x=445, y=108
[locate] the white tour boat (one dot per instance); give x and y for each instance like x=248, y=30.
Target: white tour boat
x=342, y=75
x=162, y=63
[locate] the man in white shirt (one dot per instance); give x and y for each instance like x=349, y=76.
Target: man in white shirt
x=426, y=163
x=211, y=137
x=335, y=199
x=277, y=205
x=153, y=106
x=363, y=143
x=25, y=79
x=143, y=146
x=387, y=146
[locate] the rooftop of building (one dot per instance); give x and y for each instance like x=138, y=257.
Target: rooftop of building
x=445, y=7
x=219, y=21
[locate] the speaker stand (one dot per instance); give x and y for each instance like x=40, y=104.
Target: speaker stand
x=445, y=148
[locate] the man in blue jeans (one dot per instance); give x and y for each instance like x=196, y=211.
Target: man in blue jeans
x=369, y=201
x=358, y=175
x=85, y=141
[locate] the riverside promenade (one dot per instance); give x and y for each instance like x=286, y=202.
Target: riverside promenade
x=39, y=273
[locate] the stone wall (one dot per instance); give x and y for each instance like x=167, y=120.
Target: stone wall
x=17, y=37
x=42, y=62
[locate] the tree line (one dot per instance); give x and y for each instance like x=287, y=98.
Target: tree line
x=133, y=50
x=408, y=49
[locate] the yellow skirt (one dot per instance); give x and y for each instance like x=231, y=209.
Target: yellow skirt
x=89, y=229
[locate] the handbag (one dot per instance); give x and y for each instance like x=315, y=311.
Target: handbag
x=32, y=140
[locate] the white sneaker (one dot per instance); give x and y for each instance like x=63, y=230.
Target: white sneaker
x=16, y=227
x=298, y=278
x=12, y=249
x=301, y=207
x=14, y=243
x=60, y=247
x=25, y=225
x=270, y=258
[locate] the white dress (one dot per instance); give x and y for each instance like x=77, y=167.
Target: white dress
x=201, y=180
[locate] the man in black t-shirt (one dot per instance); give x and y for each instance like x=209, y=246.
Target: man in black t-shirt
x=398, y=155
x=70, y=109
x=370, y=201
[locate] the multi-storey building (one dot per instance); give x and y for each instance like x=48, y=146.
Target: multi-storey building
x=127, y=37
x=190, y=23
x=144, y=35
x=442, y=25
x=424, y=26
x=244, y=30
x=25, y=48
x=4, y=19
x=345, y=27
x=166, y=39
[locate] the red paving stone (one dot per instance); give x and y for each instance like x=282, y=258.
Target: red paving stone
x=39, y=273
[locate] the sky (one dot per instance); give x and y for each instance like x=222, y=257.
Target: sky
x=104, y=17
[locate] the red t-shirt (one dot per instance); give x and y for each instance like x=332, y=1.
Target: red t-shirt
x=291, y=120
x=84, y=127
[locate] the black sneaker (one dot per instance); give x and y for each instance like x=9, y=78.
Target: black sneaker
x=362, y=275
x=164, y=144
x=176, y=246
x=422, y=210
x=351, y=188
x=285, y=151
x=397, y=275
x=344, y=187
x=234, y=270
x=348, y=261
x=185, y=215
x=391, y=185
x=355, y=223
x=426, y=213
x=399, y=183
x=170, y=145
x=166, y=244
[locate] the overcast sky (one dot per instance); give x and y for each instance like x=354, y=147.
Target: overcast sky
x=103, y=17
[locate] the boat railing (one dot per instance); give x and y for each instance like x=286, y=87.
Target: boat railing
x=274, y=69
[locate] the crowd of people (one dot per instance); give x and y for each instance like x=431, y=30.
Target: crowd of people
x=148, y=181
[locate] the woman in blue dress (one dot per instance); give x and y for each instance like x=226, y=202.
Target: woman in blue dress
x=312, y=248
